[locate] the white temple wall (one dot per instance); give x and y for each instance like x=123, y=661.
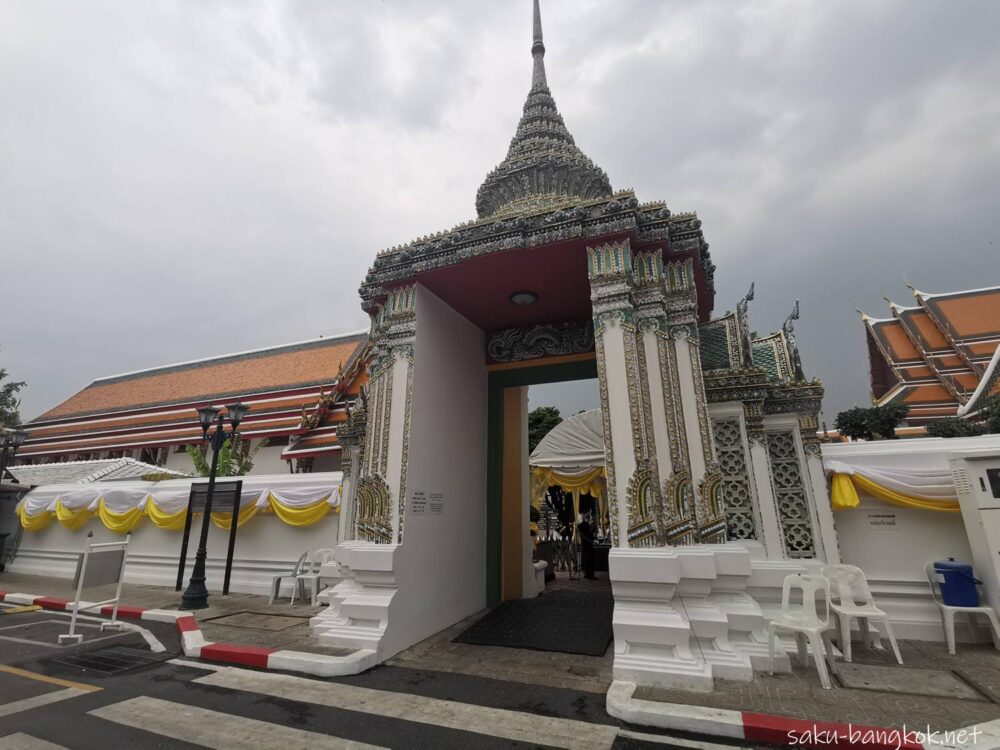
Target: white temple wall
x=265, y=547
x=440, y=569
x=892, y=544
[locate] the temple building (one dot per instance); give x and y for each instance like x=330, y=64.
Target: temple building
x=939, y=357
x=297, y=394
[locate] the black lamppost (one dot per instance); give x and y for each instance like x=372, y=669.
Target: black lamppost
x=196, y=595
x=9, y=443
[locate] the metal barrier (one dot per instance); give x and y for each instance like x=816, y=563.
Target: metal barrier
x=100, y=565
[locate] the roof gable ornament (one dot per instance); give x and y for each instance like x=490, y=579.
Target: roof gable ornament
x=743, y=320
x=543, y=168
x=788, y=328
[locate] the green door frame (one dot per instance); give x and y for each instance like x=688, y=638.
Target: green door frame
x=498, y=380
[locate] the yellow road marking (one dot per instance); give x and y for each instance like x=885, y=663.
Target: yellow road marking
x=24, y=608
x=50, y=680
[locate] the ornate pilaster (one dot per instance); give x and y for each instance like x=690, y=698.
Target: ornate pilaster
x=610, y=270
x=351, y=436
x=767, y=504
x=829, y=549
x=791, y=417
x=681, y=304
x=381, y=488
x=660, y=390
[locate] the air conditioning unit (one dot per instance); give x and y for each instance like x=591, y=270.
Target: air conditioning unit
x=977, y=484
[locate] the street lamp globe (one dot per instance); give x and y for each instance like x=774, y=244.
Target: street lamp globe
x=207, y=415
x=236, y=413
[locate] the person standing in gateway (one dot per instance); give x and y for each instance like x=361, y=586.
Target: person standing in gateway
x=586, y=530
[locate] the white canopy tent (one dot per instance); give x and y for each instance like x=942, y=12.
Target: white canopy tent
x=576, y=443
x=571, y=456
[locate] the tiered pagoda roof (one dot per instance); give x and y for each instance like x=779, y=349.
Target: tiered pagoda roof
x=290, y=389
x=938, y=357
x=544, y=168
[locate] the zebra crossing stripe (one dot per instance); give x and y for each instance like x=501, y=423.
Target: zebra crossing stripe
x=201, y=726
x=465, y=717
x=22, y=741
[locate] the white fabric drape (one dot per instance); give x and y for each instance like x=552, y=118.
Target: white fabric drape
x=171, y=496
x=933, y=484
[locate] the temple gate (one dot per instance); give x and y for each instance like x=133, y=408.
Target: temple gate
x=561, y=277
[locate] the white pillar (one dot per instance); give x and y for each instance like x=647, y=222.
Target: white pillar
x=770, y=531
x=824, y=530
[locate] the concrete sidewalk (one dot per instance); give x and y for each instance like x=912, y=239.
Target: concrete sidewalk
x=235, y=618
x=930, y=688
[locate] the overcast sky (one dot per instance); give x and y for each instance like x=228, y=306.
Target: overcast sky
x=186, y=179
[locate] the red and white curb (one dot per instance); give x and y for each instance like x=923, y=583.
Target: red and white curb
x=195, y=645
x=783, y=730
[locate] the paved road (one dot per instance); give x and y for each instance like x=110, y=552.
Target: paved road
x=48, y=701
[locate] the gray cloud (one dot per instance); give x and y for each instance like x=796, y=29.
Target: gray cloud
x=151, y=154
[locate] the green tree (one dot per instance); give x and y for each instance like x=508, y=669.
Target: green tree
x=872, y=423
x=540, y=422
x=989, y=415
x=9, y=402
x=884, y=419
x=854, y=424
x=950, y=427
x=233, y=461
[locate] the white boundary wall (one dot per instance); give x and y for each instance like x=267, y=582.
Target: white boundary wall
x=894, y=557
x=265, y=546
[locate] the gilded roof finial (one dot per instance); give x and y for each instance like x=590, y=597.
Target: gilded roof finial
x=916, y=292
x=538, y=53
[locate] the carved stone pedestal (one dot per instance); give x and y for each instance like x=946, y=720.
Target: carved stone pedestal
x=683, y=617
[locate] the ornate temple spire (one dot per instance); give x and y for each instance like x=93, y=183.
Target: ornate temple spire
x=543, y=168
x=538, y=54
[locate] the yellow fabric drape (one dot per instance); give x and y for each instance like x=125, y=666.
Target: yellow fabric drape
x=588, y=483
x=247, y=512
x=120, y=523
x=169, y=521
x=71, y=519
x=299, y=516
x=34, y=523
x=844, y=494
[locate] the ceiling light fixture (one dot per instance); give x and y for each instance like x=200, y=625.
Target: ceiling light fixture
x=524, y=298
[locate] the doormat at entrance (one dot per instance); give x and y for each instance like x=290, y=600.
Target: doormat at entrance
x=569, y=622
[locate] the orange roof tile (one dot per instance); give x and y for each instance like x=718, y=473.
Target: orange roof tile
x=894, y=338
x=309, y=363
x=966, y=314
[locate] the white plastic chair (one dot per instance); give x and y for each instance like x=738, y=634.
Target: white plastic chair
x=312, y=573
x=948, y=613
x=294, y=575
x=852, y=599
x=804, y=623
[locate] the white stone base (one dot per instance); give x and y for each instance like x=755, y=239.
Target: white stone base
x=683, y=616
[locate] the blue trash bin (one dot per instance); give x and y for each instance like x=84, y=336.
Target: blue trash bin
x=959, y=586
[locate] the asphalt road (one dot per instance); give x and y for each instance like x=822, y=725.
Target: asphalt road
x=66, y=696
